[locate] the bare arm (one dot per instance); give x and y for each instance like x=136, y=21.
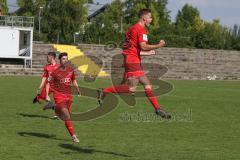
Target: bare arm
x=76, y=86
x=147, y=53
x=41, y=84
x=47, y=92
x=147, y=47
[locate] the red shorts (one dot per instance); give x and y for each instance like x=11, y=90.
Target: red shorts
x=133, y=67
x=62, y=100
x=128, y=75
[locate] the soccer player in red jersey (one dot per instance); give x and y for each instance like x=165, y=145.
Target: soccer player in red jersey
x=60, y=83
x=135, y=45
x=47, y=70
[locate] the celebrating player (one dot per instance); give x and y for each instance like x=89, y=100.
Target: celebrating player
x=135, y=45
x=60, y=83
x=48, y=69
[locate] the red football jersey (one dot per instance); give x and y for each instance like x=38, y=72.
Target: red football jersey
x=48, y=69
x=133, y=37
x=60, y=82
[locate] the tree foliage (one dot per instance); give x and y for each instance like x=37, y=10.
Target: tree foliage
x=61, y=19
x=3, y=6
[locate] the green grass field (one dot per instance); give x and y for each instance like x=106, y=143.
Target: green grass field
x=206, y=125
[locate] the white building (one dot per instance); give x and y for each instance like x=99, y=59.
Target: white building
x=16, y=38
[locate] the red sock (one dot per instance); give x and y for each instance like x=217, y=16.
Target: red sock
x=152, y=98
x=117, y=89
x=68, y=124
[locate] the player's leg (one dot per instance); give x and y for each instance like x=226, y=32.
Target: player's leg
x=129, y=86
x=153, y=99
x=40, y=96
x=131, y=74
x=63, y=114
x=101, y=93
x=133, y=83
x=122, y=88
x=55, y=115
x=149, y=91
x=50, y=104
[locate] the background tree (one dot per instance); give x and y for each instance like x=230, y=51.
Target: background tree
x=26, y=8
x=3, y=7
x=235, y=37
x=186, y=16
x=108, y=26
x=132, y=8
x=61, y=20
x=213, y=36
x=186, y=20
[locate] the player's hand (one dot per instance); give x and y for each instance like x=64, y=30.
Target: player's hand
x=79, y=94
x=48, y=98
x=38, y=91
x=153, y=52
x=162, y=43
x=147, y=53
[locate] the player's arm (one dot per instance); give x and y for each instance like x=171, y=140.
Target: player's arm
x=49, y=80
x=76, y=86
x=47, y=92
x=148, y=47
x=41, y=84
x=44, y=77
x=147, y=53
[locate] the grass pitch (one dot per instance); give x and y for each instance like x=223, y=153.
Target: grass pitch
x=205, y=125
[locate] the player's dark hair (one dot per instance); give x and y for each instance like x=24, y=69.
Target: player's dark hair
x=62, y=54
x=52, y=54
x=143, y=12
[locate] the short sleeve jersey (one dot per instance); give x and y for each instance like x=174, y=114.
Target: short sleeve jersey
x=134, y=36
x=61, y=80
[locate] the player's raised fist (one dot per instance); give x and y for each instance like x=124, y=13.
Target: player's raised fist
x=162, y=43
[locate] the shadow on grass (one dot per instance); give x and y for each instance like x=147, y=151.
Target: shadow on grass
x=88, y=150
x=33, y=116
x=40, y=135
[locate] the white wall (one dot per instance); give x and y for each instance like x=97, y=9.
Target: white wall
x=9, y=42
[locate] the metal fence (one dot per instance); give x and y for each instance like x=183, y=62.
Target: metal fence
x=17, y=21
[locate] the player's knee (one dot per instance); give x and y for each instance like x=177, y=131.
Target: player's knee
x=148, y=87
x=61, y=117
x=65, y=117
x=62, y=113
